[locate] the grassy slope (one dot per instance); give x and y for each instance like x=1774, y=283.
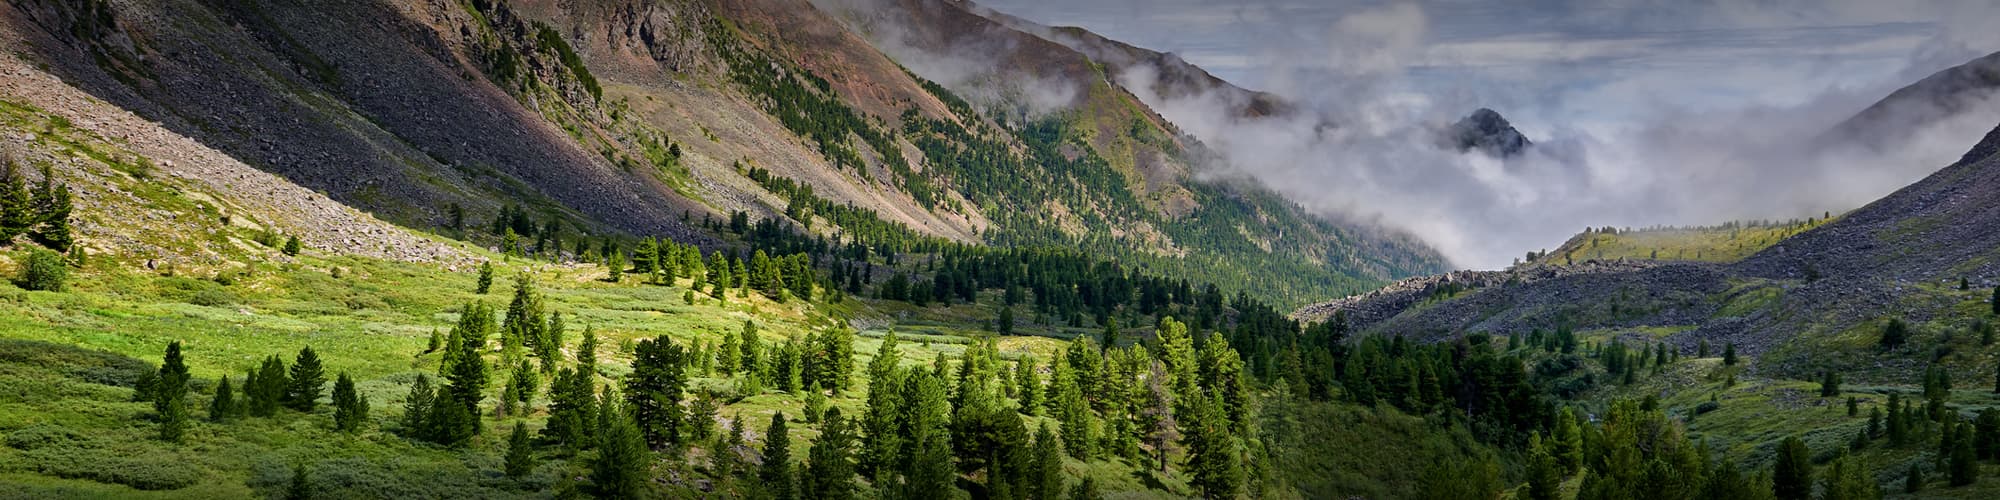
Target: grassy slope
x=1726, y=243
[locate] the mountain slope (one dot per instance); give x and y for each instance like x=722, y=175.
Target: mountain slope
x=1954, y=91
x=1812, y=301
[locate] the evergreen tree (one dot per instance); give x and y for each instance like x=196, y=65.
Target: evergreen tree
x=451, y=422
x=1005, y=323
x=293, y=246
x=520, y=456
x=927, y=463
x=572, y=406
x=1085, y=490
x=549, y=349
x=1028, y=386
x=307, y=379
x=267, y=393
x=1729, y=354
x=485, y=278
x=1047, y=475
x=1544, y=473
x=436, y=342
x=614, y=266
x=466, y=373
x=619, y=470
x=830, y=474
x=17, y=209
x=655, y=388
x=1567, y=441
x=521, y=387
x=1964, y=464
x=350, y=409
x=776, y=473
x=170, y=385
x=417, y=407
x=1894, y=334
x=1791, y=477
x=1829, y=384
x=52, y=206
x=881, y=437
x=586, y=352
x=223, y=405
x=1212, y=462
x=174, y=418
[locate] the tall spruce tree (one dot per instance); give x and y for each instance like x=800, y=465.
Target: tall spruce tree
x=223, y=406
x=416, y=406
x=1791, y=476
x=466, y=374
x=267, y=393
x=1046, y=476
x=308, y=378
x=776, y=473
x=619, y=469
x=350, y=408
x=520, y=454
x=830, y=470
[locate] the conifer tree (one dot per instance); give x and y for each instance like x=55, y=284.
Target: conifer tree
x=926, y=462
x=170, y=395
x=52, y=206
x=615, y=266
x=1964, y=464
x=1212, y=461
x=1567, y=441
x=1544, y=473
x=1791, y=477
x=521, y=387
x=416, y=407
x=466, y=375
x=1028, y=385
x=619, y=470
x=1829, y=384
x=586, y=352
x=1729, y=354
x=654, y=389
x=1046, y=478
x=485, y=278
x=572, y=403
x=301, y=486
x=223, y=405
x=350, y=409
x=520, y=455
x=307, y=380
x=1913, y=479
x=267, y=393
x=776, y=473
x=451, y=422
x=830, y=472
x=17, y=209
x=1072, y=411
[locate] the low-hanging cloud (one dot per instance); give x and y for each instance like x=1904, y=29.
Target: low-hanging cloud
x=1365, y=149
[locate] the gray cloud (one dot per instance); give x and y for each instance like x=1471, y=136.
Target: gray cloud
x=1645, y=111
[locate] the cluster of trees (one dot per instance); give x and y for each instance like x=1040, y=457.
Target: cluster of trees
x=265, y=391
x=41, y=213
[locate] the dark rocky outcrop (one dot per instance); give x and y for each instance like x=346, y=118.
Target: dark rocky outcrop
x=1485, y=130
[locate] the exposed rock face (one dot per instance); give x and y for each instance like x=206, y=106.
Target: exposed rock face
x=1488, y=132
x=1954, y=91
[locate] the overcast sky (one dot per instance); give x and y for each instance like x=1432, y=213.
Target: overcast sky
x=1647, y=111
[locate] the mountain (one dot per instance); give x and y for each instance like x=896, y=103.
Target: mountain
x=644, y=117
x=1486, y=131
x=1949, y=93
x=1810, y=300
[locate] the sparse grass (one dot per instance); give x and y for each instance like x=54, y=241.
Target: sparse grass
x=1725, y=243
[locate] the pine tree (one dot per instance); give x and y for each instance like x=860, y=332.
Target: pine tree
x=830, y=472
x=436, y=342
x=1894, y=334
x=307, y=380
x=586, y=352
x=776, y=473
x=1028, y=385
x=485, y=278
x=350, y=409
x=1996, y=300
x=654, y=389
x=927, y=463
x=223, y=405
x=171, y=381
x=815, y=403
x=520, y=456
x=1212, y=461
x=1964, y=461
x=1829, y=384
x=1791, y=477
x=52, y=206
x=549, y=349
x=416, y=407
x=466, y=374
x=1005, y=323
x=174, y=418
x=451, y=422
x=614, y=266
x=571, y=410
x=1047, y=475
x=293, y=246
x=17, y=210
x=1729, y=354
x=1544, y=473
x=619, y=470
x=267, y=394
x=1085, y=490
x=1567, y=441
x=521, y=387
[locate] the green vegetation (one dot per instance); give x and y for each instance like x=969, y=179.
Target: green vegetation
x=1722, y=243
